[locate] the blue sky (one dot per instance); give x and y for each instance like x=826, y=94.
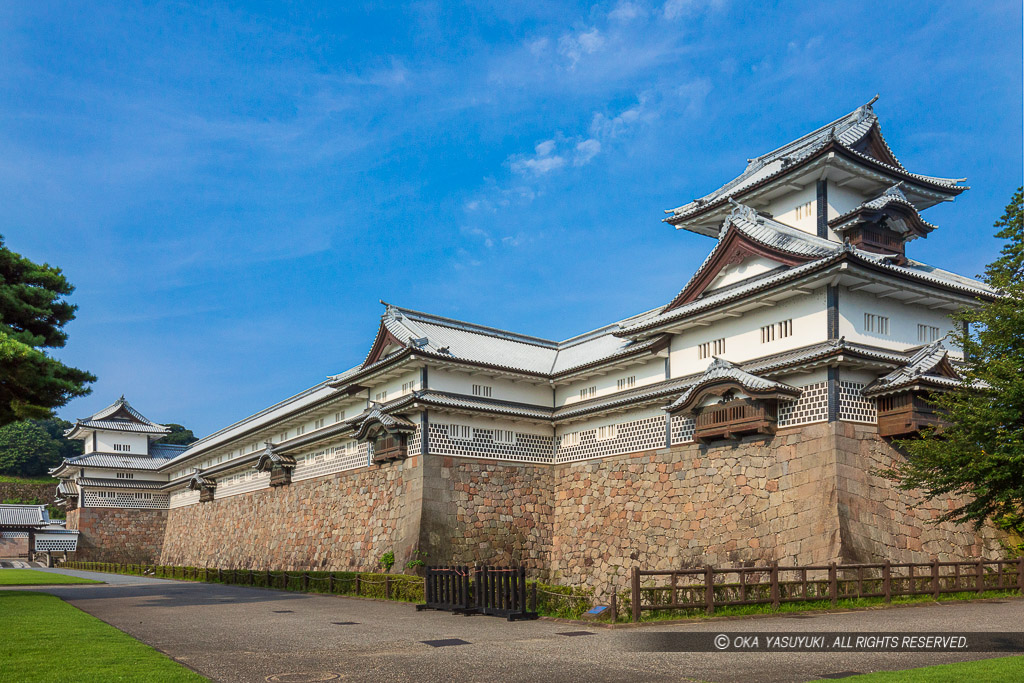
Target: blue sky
x=233, y=188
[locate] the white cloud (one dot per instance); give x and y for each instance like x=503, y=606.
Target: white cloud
x=585, y=151
x=541, y=163
x=676, y=9
x=626, y=11
x=575, y=46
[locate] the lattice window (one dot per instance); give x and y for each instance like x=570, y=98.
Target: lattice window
x=482, y=390
x=55, y=545
x=527, y=447
x=626, y=383
x=460, y=432
x=638, y=435
x=125, y=499
x=876, y=324
x=682, y=429
x=853, y=407
x=927, y=333
x=337, y=457
x=715, y=347
x=812, y=406
x=125, y=475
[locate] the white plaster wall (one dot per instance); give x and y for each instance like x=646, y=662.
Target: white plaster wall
x=903, y=320
x=842, y=199
x=393, y=386
x=647, y=373
x=743, y=335
x=102, y=473
x=501, y=389
x=749, y=268
x=783, y=209
x=138, y=443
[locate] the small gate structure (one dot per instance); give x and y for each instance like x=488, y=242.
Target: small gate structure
x=448, y=589
x=494, y=591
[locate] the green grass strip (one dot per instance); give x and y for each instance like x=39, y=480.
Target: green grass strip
x=31, y=577
x=47, y=640
x=998, y=669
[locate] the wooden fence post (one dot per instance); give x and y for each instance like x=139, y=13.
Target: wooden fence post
x=357, y=585
x=635, y=594
x=305, y=582
x=614, y=607
x=709, y=589
x=833, y=584
x=330, y=582
x=387, y=587
x=887, y=580
x=935, y=579
x=979, y=581
x=775, y=592
x=1020, y=574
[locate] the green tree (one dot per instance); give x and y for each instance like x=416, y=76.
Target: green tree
x=33, y=313
x=979, y=455
x=178, y=435
x=56, y=427
x=26, y=450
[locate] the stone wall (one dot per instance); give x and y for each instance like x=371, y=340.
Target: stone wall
x=487, y=511
x=805, y=495
x=21, y=491
x=880, y=522
x=754, y=501
x=118, y=535
x=14, y=548
x=339, y=522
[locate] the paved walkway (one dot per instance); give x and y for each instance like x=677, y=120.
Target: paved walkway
x=231, y=633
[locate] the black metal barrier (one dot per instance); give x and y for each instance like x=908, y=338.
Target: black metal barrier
x=495, y=591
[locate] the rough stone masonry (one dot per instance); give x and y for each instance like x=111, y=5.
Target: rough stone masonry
x=805, y=495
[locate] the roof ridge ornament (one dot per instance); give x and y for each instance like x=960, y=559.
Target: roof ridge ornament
x=743, y=211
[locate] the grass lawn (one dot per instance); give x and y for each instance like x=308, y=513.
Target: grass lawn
x=46, y=639
x=30, y=577
x=998, y=669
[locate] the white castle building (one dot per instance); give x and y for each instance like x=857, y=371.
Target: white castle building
x=808, y=309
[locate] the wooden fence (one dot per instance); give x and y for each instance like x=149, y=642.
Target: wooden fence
x=711, y=587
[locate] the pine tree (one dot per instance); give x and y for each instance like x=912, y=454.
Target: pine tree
x=33, y=313
x=979, y=454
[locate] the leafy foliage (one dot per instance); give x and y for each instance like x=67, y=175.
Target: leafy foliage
x=33, y=313
x=179, y=435
x=980, y=453
x=27, y=450
x=31, y=447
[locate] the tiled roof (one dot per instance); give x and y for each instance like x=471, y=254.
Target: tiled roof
x=721, y=369
x=443, y=399
x=117, y=461
x=166, y=451
x=24, y=515
x=66, y=487
x=847, y=131
x=386, y=419
x=121, y=417
x=929, y=365
x=445, y=338
x=891, y=197
x=913, y=269
x=120, y=483
x=121, y=426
